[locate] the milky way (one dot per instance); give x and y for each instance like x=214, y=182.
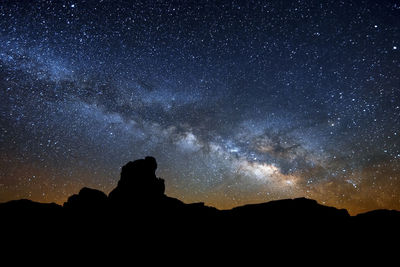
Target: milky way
x=240, y=102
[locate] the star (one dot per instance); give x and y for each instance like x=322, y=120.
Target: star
x=238, y=102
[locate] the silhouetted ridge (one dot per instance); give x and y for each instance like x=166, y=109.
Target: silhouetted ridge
x=23, y=205
x=138, y=204
x=380, y=218
x=25, y=211
x=294, y=208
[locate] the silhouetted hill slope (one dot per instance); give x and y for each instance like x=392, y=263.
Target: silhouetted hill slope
x=26, y=205
x=387, y=214
x=379, y=219
x=295, y=209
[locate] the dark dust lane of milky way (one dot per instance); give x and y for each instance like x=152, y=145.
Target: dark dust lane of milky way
x=239, y=101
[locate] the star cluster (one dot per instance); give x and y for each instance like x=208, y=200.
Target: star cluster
x=239, y=101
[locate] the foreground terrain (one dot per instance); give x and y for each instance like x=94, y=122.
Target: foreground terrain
x=138, y=211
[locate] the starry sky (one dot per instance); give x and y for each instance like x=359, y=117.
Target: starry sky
x=239, y=101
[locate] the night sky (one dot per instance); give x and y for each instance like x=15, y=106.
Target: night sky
x=239, y=101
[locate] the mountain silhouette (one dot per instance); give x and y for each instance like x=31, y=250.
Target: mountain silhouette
x=138, y=210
